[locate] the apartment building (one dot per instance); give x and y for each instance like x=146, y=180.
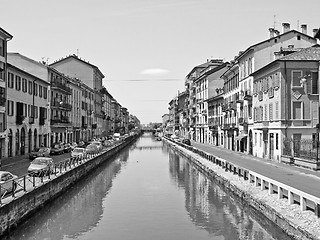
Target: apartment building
x=76, y=104
x=28, y=101
x=31, y=80
x=286, y=106
x=215, y=118
x=91, y=76
x=206, y=85
x=4, y=38
x=87, y=106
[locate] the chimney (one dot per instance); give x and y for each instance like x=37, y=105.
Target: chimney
x=271, y=31
x=315, y=30
x=276, y=32
x=285, y=27
x=304, y=28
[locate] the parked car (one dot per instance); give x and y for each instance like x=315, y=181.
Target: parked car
x=7, y=183
x=98, y=144
x=67, y=147
x=33, y=154
x=73, y=145
x=186, y=141
x=174, y=137
x=81, y=144
x=92, y=148
x=40, y=152
x=78, y=152
x=41, y=166
x=56, y=149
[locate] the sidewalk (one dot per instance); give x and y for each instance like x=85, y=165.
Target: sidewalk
x=303, y=179
x=12, y=160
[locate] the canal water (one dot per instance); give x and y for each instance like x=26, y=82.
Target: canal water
x=146, y=192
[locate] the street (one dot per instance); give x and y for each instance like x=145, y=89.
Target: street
x=20, y=167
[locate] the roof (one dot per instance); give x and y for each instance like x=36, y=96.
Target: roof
x=204, y=65
x=217, y=68
x=73, y=56
x=26, y=73
x=307, y=54
x=267, y=40
x=8, y=35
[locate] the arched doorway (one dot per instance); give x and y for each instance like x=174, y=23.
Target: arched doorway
x=23, y=141
x=35, y=137
x=30, y=141
x=250, y=143
x=17, y=142
x=10, y=143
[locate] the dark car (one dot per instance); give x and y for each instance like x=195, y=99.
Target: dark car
x=186, y=141
x=67, y=147
x=57, y=149
x=40, y=152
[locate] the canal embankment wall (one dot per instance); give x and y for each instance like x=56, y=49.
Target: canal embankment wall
x=256, y=206
x=19, y=209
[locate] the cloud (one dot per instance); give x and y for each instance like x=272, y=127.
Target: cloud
x=154, y=71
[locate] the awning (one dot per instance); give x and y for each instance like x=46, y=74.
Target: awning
x=240, y=136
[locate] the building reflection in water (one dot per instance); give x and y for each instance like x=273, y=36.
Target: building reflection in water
x=76, y=212
x=210, y=208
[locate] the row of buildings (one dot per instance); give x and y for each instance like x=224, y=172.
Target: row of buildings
x=265, y=102
x=42, y=104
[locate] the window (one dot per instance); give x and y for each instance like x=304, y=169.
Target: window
x=296, y=76
x=314, y=76
x=18, y=83
x=10, y=108
x=40, y=91
x=35, y=112
x=260, y=139
x=24, y=85
x=35, y=89
x=10, y=80
x=298, y=37
x=30, y=87
x=255, y=139
x=277, y=141
x=270, y=111
x=45, y=92
x=297, y=110
x=265, y=112
x=2, y=45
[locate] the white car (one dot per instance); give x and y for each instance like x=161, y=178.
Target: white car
x=7, y=183
x=98, y=144
x=78, y=152
x=41, y=166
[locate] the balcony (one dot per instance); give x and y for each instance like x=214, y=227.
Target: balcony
x=247, y=95
x=31, y=120
x=260, y=96
x=61, y=86
x=61, y=105
x=243, y=121
x=2, y=101
x=19, y=119
x=63, y=120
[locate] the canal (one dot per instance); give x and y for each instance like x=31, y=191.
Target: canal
x=146, y=192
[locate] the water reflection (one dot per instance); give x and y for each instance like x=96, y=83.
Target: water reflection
x=76, y=212
x=213, y=210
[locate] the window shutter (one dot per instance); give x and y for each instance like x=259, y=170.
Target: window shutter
x=315, y=113
x=308, y=86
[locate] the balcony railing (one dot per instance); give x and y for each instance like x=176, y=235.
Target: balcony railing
x=2, y=101
x=247, y=95
x=59, y=120
x=60, y=104
x=62, y=86
x=242, y=121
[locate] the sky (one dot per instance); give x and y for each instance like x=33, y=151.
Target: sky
x=145, y=48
